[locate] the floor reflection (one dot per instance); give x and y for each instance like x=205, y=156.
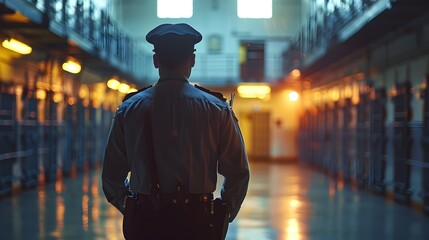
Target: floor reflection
x=291, y=202
x=284, y=202
x=66, y=209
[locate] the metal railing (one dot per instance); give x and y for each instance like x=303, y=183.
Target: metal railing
x=83, y=20
x=329, y=23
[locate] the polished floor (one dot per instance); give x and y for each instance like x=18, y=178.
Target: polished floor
x=285, y=202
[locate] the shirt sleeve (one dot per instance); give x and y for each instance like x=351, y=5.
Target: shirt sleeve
x=115, y=165
x=233, y=164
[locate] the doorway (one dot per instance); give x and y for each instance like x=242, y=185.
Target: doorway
x=252, y=61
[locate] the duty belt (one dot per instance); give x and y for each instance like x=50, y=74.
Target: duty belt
x=193, y=198
x=175, y=198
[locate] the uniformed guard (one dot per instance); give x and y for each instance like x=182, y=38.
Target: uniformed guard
x=175, y=138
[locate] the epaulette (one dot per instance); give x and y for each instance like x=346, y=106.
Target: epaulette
x=134, y=93
x=216, y=94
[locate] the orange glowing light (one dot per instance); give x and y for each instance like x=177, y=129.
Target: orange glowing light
x=17, y=46
x=124, y=88
x=113, y=84
x=296, y=73
x=58, y=97
x=293, y=96
x=71, y=101
x=340, y=184
x=60, y=213
x=85, y=185
x=59, y=182
x=85, y=208
x=72, y=66
x=41, y=177
x=335, y=95
x=254, y=90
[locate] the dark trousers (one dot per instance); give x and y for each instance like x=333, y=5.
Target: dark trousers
x=190, y=221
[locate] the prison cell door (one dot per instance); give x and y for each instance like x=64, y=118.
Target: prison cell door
x=29, y=138
x=252, y=61
x=402, y=141
x=7, y=139
x=378, y=140
x=362, y=140
x=346, y=158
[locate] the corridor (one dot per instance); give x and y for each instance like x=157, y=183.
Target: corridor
x=284, y=202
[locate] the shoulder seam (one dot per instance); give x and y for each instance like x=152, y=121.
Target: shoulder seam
x=129, y=95
x=218, y=95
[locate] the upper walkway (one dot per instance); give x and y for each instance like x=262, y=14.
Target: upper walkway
x=285, y=202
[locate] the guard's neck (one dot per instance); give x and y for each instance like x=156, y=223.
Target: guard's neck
x=177, y=71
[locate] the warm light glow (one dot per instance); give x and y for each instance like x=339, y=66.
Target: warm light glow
x=294, y=203
x=58, y=97
x=254, y=8
x=72, y=66
x=254, y=90
x=83, y=91
x=394, y=91
x=423, y=85
x=113, y=84
x=132, y=90
x=296, y=73
x=317, y=97
x=85, y=212
x=95, y=199
x=175, y=8
x=71, y=101
x=355, y=97
x=60, y=210
x=293, y=96
x=17, y=46
x=348, y=91
x=56, y=88
x=41, y=94
x=335, y=95
x=18, y=90
x=123, y=88
x=293, y=229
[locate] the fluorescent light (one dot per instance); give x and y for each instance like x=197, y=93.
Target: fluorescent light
x=72, y=66
x=113, y=84
x=17, y=46
x=123, y=88
x=254, y=90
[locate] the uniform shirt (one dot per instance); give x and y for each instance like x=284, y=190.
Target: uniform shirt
x=195, y=136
